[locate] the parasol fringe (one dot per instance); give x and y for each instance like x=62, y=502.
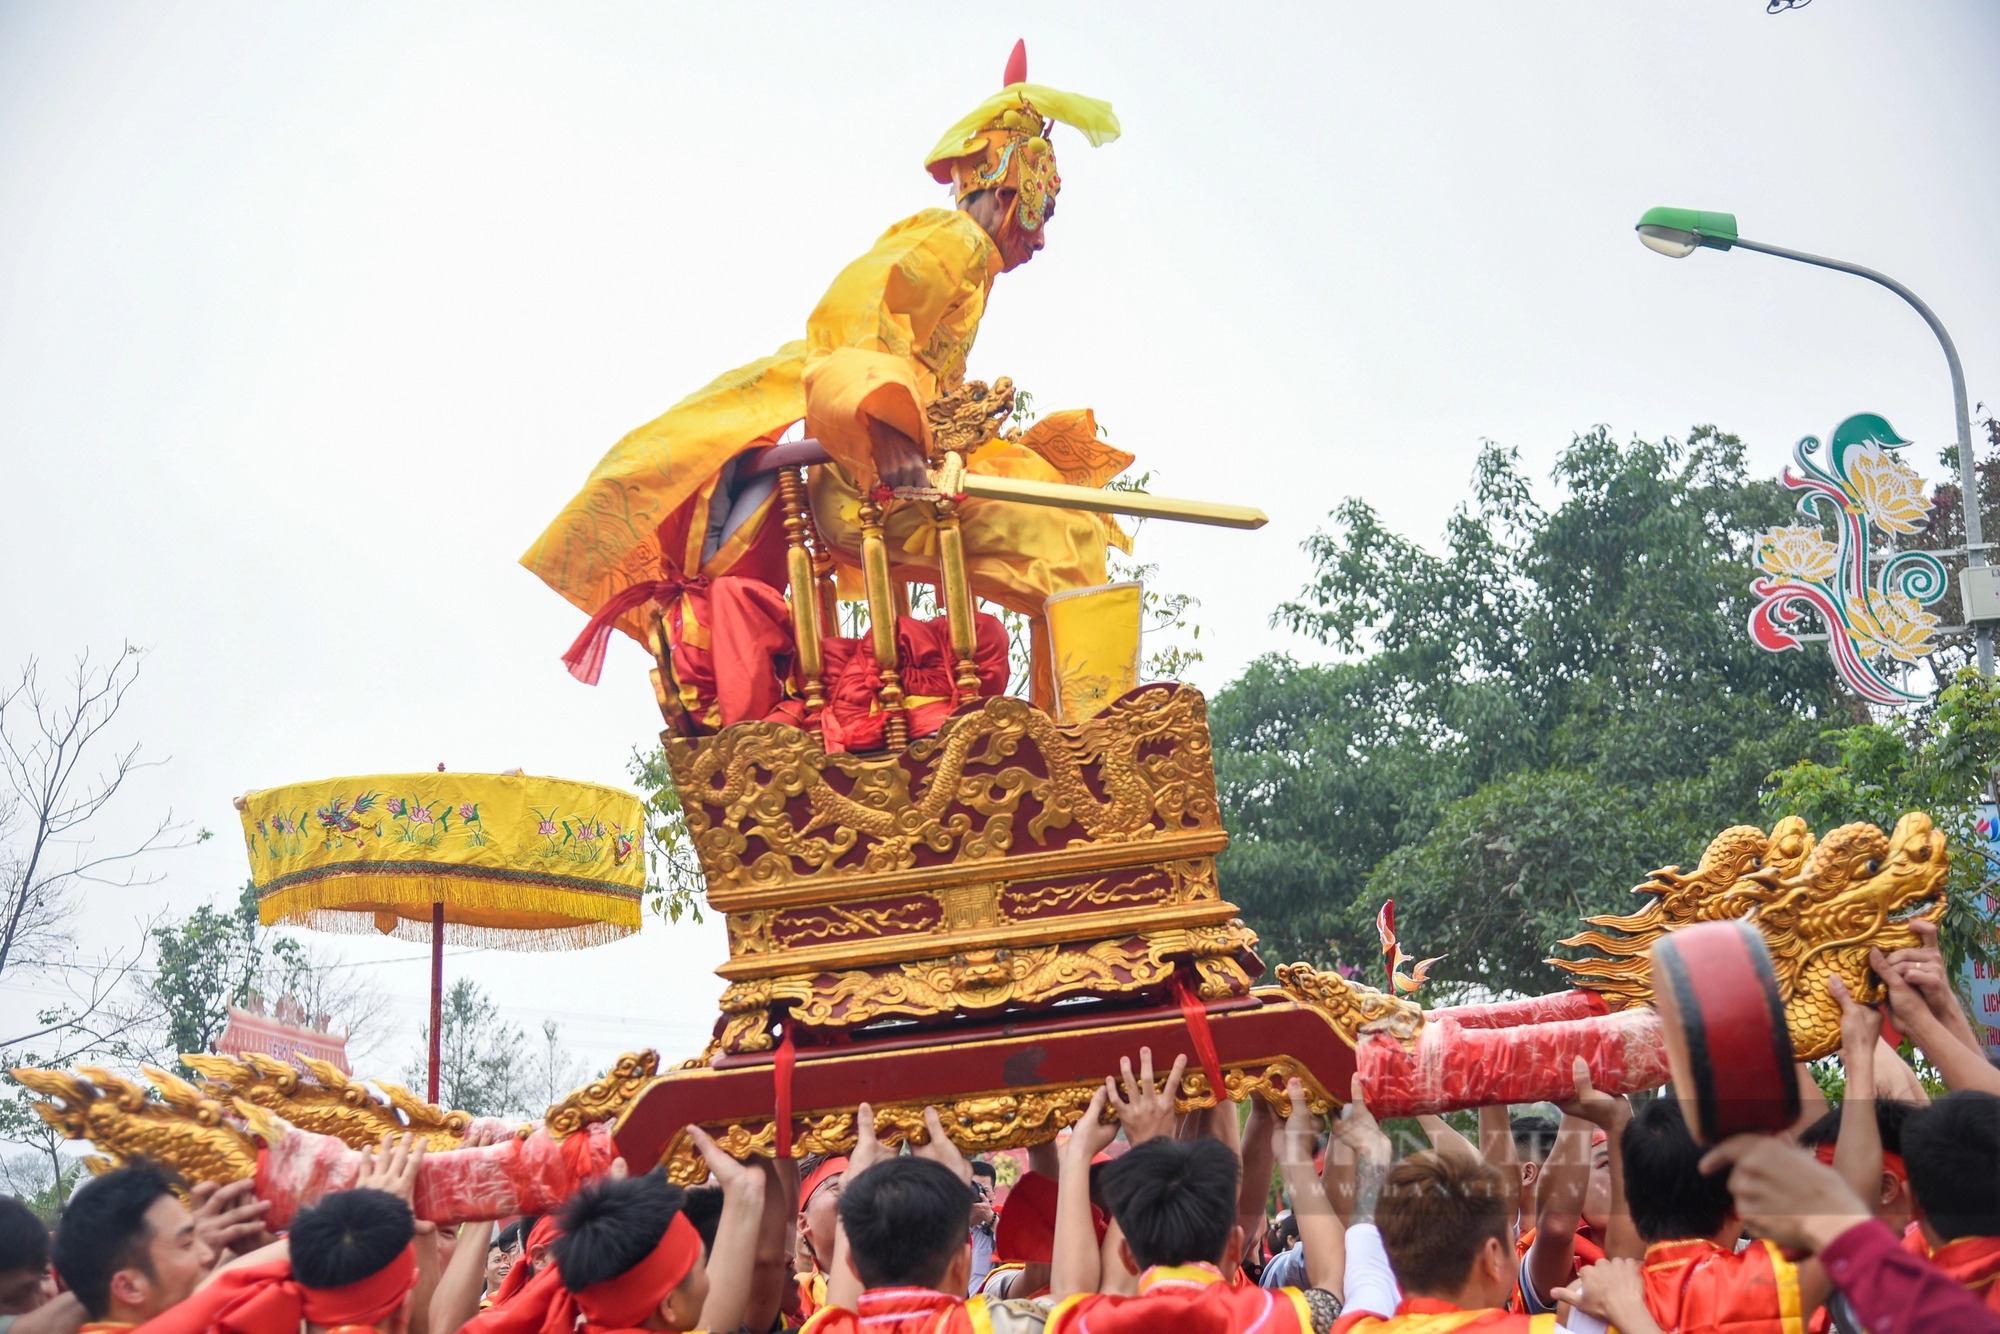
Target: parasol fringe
x=503, y=915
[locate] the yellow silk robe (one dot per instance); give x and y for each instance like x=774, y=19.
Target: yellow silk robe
x=891, y=333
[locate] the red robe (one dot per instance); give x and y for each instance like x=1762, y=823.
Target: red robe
x=1186, y=1299
x=1697, y=1287
x=1974, y=1262
x=904, y=1311
x=1426, y=1315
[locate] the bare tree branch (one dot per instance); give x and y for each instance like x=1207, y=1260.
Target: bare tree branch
x=46, y=740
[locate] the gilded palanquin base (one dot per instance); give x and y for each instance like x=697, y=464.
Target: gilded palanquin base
x=1009, y=862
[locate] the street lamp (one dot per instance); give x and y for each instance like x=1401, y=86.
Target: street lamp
x=1679, y=232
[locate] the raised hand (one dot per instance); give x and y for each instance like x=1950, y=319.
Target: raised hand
x=1357, y=1127
x=391, y=1166
x=1090, y=1134
x=868, y=1150
x=939, y=1148
x=1145, y=1110
x=1922, y=970
x=1295, y=1137
x=736, y=1179
x=1860, y=1025
x=230, y=1219
x=1613, y=1290
x=1609, y=1112
x=485, y=1131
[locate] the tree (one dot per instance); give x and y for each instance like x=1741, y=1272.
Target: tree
x=207, y=962
x=42, y=1186
x=217, y=957
x=480, y=1063
x=674, y=879
x=1524, y=725
x=1941, y=760
x=45, y=742
x=552, y=1073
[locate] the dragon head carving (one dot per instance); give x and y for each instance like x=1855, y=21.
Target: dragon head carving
x=1820, y=905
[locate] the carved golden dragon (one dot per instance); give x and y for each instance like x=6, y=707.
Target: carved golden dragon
x=768, y=764
x=211, y=1133
x=1821, y=908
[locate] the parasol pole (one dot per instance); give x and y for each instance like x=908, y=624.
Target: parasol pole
x=437, y=992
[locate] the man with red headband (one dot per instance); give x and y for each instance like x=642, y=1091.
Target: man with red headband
x=628, y=1258
x=352, y=1267
x=902, y=1258
x=819, y=1202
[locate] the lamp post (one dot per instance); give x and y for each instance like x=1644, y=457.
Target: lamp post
x=1679, y=232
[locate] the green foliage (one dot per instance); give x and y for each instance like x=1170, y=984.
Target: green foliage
x=1939, y=759
x=1525, y=724
x=674, y=882
x=207, y=962
x=480, y=1059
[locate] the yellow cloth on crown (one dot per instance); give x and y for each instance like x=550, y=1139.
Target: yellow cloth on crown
x=891, y=334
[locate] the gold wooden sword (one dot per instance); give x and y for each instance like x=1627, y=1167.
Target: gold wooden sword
x=1057, y=495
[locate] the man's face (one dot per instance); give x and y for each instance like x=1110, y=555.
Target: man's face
x=1017, y=245
x=499, y=1259
x=982, y=1201
x=178, y=1260
x=1597, y=1197
x=22, y=1290
x=822, y=1212
x=682, y=1307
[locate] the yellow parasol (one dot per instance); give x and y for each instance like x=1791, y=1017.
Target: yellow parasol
x=495, y=860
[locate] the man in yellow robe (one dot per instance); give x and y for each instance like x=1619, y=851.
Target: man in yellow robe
x=890, y=335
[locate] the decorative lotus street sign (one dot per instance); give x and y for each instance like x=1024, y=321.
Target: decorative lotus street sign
x=1876, y=622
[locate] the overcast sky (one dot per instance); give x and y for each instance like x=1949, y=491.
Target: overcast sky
x=313, y=315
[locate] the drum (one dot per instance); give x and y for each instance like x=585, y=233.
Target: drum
x=1727, y=1041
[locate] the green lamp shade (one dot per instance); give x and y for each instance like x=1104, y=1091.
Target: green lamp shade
x=1676, y=232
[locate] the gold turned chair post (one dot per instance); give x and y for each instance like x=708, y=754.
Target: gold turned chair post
x=823, y=584
x=882, y=624
x=952, y=581
x=804, y=587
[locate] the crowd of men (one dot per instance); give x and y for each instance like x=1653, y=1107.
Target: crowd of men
x=1882, y=1214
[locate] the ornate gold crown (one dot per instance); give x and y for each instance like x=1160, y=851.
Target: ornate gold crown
x=1004, y=142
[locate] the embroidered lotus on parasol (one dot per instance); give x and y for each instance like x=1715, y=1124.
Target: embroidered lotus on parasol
x=1876, y=622
x=514, y=862
x=502, y=861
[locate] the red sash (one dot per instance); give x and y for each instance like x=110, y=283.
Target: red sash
x=1697, y=1287
x=1426, y=1315
x=1974, y=1263
x=1187, y=1299
x=901, y=1311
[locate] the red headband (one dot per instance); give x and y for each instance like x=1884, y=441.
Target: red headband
x=275, y=1302
x=822, y=1174
x=545, y=1306
x=1891, y=1162
x=622, y=1302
